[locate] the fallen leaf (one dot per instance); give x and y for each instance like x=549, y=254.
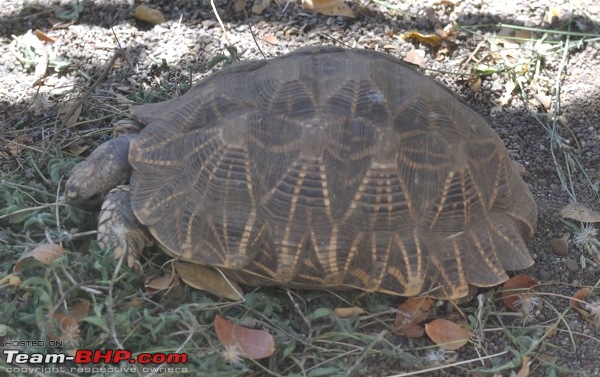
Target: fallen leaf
x=589, y=311
x=508, y=90
x=410, y=313
x=432, y=40
x=416, y=57
x=80, y=311
x=271, y=39
x=43, y=36
x=330, y=7
x=250, y=343
x=518, y=293
x=579, y=212
x=77, y=151
x=147, y=14
x=348, y=312
x=164, y=282
x=524, y=371
x=41, y=65
x=447, y=334
x=544, y=100
x=63, y=327
x=10, y=280
x=207, y=279
x=515, y=291
x=44, y=253
x=553, y=12
x=474, y=83
x=74, y=116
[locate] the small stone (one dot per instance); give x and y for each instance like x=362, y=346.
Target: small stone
x=559, y=246
x=571, y=265
x=544, y=275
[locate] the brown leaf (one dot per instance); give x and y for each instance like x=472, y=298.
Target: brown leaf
x=10, y=280
x=147, y=14
x=447, y=334
x=524, y=371
x=432, y=40
x=576, y=302
x=330, y=7
x=77, y=151
x=162, y=282
x=43, y=36
x=207, y=279
x=415, y=57
x=271, y=39
x=44, y=253
x=579, y=212
x=250, y=343
x=80, y=311
x=514, y=288
x=474, y=83
x=348, y=312
x=412, y=312
x=63, y=327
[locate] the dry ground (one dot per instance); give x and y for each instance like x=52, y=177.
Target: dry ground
x=540, y=93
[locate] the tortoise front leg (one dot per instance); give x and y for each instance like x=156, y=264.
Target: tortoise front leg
x=118, y=227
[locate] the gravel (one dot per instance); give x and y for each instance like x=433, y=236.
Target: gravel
x=165, y=58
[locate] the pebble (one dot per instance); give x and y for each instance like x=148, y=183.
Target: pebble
x=544, y=275
x=571, y=265
x=559, y=246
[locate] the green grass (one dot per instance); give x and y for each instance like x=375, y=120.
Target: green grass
x=310, y=339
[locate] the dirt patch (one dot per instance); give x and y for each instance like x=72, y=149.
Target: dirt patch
x=540, y=94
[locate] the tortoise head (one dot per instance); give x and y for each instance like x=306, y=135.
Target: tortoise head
x=106, y=168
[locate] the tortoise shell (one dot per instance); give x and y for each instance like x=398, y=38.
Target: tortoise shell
x=331, y=168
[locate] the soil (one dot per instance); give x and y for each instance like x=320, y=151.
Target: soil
x=164, y=59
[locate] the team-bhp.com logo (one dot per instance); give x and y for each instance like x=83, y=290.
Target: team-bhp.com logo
x=95, y=361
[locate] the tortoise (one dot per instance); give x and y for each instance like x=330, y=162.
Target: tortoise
x=327, y=168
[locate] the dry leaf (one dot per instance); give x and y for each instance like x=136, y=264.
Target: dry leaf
x=544, y=100
x=153, y=16
x=77, y=151
x=579, y=212
x=590, y=312
x=415, y=57
x=250, y=343
x=517, y=290
x=44, y=253
x=163, y=282
x=412, y=312
x=330, y=7
x=80, y=311
x=447, y=334
x=474, y=83
x=64, y=327
x=271, y=39
x=10, y=280
x=524, y=371
x=41, y=65
x=73, y=118
x=43, y=36
x=508, y=89
x=57, y=23
x=348, y=312
x=207, y=279
x=432, y=40
x=551, y=14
